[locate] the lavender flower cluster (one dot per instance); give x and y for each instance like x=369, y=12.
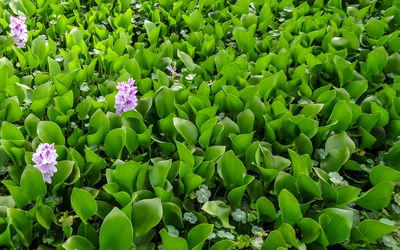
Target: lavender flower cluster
x=45, y=158
x=19, y=31
x=126, y=99
x=177, y=76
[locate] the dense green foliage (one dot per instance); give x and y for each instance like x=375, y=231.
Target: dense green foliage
x=283, y=132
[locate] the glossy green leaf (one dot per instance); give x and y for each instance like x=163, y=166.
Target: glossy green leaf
x=186, y=129
x=231, y=170
x=377, y=197
x=83, y=203
x=50, y=132
x=45, y=216
x=219, y=210
x=290, y=207
x=116, y=231
x=310, y=230
x=114, y=142
x=77, y=242
x=32, y=187
x=172, y=242
x=198, y=235
x=382, y=173
x=274, y=241
x=336, y=224
x=373, y=229
x=146, y=214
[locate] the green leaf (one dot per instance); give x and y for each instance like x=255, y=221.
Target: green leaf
x=393, y=61
x=191, y=182
x=195, y=21
x=116, y=232
x=131, y=140
x=339, y=148
x=265, y=210
x=32, y=187
x=299, y=166
x=94, y=161
x=341, y=117
x=377, y=197
x=10, y=132
x=74, y=37
x=241, y=142
x=308, y=188
x=184, y=154
x=231, y=170
x=274, y=241
x=22, y=225
x=172, y=215
x=83, y=204
x=146, y=214
x=304, y=144
x=29, y=7
x=376, y=61
x=152, y=31
x=198, y=235
x=83, y=109
x=357, y=88
x=64, y=169
x=10, y=110
x=39, y=47
x=290, y=207
x=187, y=60
x=336, y=224
x=31, y=122
x=126, y=175
x=223, y=245
x=310, y=230
x=283, y=181
x=99, y=125
x=373, y=229
x=4, y=71
x=245, y=121
x=235, y=196
x=65, y=102
x=392, y=156
x=114, y=142
x=77, y=242
x=346, y=194
x=344, y=71
x=187, y=129
x=54, y=68
x=50, y=132
x=213, y=153
x=288, y=234
x=173, y=242
x=158, y=173
x=218, y=209
x=375, y=28
x=382, y=173
x=61, y=26
x=165, y=102
x=45, y=216
x=5, y=237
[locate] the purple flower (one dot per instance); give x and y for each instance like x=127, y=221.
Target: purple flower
x=19, y=31
x=174, y=73
x=126, y=97
x=45, y=158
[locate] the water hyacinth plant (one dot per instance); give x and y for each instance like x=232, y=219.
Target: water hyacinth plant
x=221, y=125
x=45, y=159
x=126, y=99
x=19, y=30
x=175, y=75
